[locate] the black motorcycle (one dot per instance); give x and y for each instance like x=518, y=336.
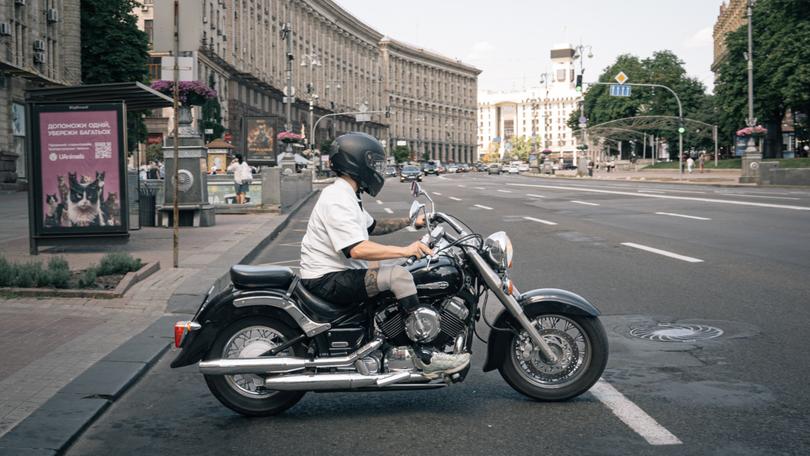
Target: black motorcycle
x=265, y=341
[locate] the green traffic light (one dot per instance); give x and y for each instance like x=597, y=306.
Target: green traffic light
x=681, y=130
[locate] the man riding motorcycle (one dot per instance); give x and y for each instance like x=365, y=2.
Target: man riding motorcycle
x=336, y=248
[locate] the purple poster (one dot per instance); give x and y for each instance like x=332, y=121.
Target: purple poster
x=80, y=172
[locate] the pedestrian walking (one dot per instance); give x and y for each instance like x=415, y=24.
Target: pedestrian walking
x=690, y=163
x=590, y=168
x=242, y=177
x=701, y=162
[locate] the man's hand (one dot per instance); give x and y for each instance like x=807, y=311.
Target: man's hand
x=417, y=249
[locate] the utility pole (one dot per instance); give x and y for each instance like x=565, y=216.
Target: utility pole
x=176, y=96
x=751, y=120
x=286, y=35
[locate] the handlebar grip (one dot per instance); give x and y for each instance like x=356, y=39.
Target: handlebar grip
x=410, y=260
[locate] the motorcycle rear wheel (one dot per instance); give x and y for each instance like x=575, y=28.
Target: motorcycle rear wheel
x=240, y=393
x=581, y=346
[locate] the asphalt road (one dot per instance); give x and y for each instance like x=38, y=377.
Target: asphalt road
x=735, y=259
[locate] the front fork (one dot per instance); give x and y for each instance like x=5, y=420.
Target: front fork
x=495, y=284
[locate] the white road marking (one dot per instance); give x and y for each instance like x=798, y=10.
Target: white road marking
x=683, y=198
x=748, y=195
x=666, y=253
x=535, y=196
x=649, y=191
x=462, y=186
x=684, y=216
x=379, y=202
x=480, y=188
x=454, y=198
x=442, y=177
x=584, y=202
x=388, y=210
x=504, y=191
x=632, y=415
x=483, y=207
x=437, y=193
x=411, y=229
x=545, y=222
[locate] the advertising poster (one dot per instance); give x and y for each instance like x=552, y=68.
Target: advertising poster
x=79, y=184
x=260, y=140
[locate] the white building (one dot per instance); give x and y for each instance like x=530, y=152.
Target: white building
x=540, y=114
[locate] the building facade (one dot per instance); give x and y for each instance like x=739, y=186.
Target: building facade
x=538, y=114
x=40, y=45
x=732, y=16
x=340, y=64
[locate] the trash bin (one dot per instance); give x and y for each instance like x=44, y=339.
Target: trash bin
x=147, y=206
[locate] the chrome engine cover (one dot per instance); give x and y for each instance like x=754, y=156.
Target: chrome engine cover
x=423, y=325
x=398, y=359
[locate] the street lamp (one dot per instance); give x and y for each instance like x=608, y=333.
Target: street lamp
x=580, y=54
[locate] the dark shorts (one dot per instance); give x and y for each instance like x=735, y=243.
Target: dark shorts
x=241, y=188
x=342, y=287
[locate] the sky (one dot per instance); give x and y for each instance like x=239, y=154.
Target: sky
x=510, y=39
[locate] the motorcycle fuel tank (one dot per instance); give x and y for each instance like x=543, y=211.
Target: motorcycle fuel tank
x=443, y=277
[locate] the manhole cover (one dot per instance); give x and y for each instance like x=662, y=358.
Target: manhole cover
x=676, y=332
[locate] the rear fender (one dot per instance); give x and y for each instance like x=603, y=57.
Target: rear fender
x=545, y=300
x=232, y=305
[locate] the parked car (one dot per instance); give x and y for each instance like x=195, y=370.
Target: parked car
x=390, y=171
x=494, y=168
x=452, y=169
x=463, y=168
x=410, y=173
x=481, y=167
x=523, y=167
x=513, y=169
x=441, y=169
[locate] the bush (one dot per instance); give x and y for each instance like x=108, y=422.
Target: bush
x=7, y=273
x=117, y=263
x=88, y=278
x=29, y=275
x=59, y=272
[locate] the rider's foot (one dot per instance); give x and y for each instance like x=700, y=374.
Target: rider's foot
x=445, y=363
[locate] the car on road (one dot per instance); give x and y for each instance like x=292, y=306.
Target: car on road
x=430, y=168
x=390, y=171
x=523, y=167
x=452, y=169
x=513, y=169
x=481, y=167
x=494, y=168
x=410, y=173
x=463, y=168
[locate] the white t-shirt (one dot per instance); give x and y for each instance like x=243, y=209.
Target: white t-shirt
x=336, y=222
x=241, y=172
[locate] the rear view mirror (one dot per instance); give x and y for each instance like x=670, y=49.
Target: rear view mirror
x=416, y=206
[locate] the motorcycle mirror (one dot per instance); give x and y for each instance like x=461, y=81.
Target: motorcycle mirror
x=416, y=189
x=416, y=206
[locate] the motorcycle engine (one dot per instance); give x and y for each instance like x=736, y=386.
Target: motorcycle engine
x=439, y=325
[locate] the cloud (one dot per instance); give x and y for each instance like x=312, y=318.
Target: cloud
x=701, y=38
x=480, y=50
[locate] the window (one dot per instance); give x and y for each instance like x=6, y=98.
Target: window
x=148, y=27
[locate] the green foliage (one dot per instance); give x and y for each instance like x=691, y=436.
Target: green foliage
x=7, y=272
x=731, y=163
x=154, y=152
x=114, y=50
x=87, y=279
x=781, y=42
x=521, y=147
x=117, y=263
x=401, y=154
x=59, y=272
x=212, y=114
x=33, y=274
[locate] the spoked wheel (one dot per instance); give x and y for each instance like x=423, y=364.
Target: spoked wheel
x=581, y=347
x=245, y=393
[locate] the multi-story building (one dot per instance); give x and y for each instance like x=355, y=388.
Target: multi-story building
x=340, y=64
x=39, y=45
x=538, y=114
x=731, y=17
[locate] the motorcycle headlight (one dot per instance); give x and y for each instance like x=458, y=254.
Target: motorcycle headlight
x=498, y=249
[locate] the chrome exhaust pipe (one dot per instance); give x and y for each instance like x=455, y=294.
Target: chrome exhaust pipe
x=338, y=381
x=280, y=365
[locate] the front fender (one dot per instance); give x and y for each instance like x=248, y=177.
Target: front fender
x=545, y=300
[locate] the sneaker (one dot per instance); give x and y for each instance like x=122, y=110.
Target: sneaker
x=444, y=363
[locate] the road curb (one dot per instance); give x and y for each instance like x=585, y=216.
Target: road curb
x=53, y=427
x=645, y=181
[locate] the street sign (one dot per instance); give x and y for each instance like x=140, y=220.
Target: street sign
x=209, y=131
x=619, y=90
x=621, y=78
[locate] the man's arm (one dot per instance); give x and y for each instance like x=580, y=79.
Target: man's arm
x=389, y=225
x=372, y=251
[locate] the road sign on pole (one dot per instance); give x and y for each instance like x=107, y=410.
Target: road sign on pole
x=620, y=90
x=621, y=78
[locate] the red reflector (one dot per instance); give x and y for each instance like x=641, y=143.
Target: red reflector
x=179, y=331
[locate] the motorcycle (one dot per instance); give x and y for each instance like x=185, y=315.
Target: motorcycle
x=266, y=340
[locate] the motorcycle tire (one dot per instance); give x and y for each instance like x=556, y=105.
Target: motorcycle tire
x=240, y=402
x=597, y=343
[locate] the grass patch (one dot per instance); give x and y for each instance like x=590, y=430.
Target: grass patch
x=57, y=274
x=736, y=163
x=794, y=163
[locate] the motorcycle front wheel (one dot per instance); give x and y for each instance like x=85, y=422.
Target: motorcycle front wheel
x=245, y=393
x=581, y=346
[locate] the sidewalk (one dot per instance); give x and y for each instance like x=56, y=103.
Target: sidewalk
x=47, y=343
x=724, y=178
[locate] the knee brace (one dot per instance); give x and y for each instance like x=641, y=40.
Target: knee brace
x=396, y=279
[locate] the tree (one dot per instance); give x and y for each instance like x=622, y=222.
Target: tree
x=401, y=154
x=212, y=114
x=521, y=147
x=781, y=42
x=664, y=68
x=115, y=50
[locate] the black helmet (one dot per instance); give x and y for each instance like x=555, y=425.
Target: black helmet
x=361, y=157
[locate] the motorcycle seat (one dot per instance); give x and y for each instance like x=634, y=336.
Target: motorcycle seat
x=320, y=310
x=246, y=277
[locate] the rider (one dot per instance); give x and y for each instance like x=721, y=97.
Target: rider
x=336, y=248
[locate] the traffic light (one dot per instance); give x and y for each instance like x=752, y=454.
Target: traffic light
x=579, y=83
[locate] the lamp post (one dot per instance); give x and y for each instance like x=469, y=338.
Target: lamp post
x=580, y=53
x=751, y=151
